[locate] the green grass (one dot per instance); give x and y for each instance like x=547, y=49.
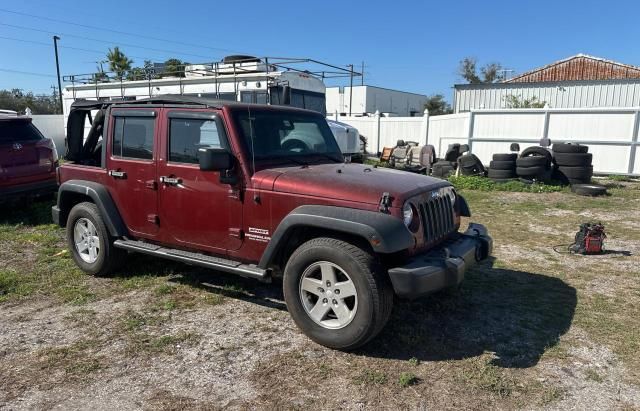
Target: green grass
x=593, y=375
x=371, y=377
x=485, y=184
x=407, y=379
x=481, y=374
x=616, y=177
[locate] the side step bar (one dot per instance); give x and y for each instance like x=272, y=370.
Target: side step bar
x=202, y=260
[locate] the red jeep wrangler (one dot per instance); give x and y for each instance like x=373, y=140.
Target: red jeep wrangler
x=260, y=191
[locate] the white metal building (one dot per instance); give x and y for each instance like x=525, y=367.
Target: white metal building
x=557, y=94
x=369, y=99
x=579, y=81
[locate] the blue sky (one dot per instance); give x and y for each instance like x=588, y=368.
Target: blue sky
x=407, y=45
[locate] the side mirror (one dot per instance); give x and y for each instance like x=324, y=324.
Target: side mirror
x=286, y=95
x=215, y=159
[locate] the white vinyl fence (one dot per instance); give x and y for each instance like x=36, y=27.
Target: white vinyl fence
x=51, y=126
x=611, y=133
x=386, y=131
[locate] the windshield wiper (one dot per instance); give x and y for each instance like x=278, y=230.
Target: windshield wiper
x=329, y=156
x=286, y=158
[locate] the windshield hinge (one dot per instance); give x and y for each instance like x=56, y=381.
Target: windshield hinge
x=385, y=202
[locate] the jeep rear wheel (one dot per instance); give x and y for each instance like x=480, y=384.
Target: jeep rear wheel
x=337, y=293
x=89, y=241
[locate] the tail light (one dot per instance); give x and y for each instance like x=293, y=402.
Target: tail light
x=50, y=159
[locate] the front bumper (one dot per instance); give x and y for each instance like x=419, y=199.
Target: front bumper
x=444, y=266
x=35, y=189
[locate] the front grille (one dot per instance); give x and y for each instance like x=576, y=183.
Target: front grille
x=436, y=215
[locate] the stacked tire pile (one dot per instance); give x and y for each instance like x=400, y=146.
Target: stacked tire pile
x=534, y=163
x=503, y=167
x=573, y=163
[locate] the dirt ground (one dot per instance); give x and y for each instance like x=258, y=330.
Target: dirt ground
x=530, y=329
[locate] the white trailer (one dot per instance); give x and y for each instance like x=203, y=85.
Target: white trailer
x=266, y=80
x=263, y=80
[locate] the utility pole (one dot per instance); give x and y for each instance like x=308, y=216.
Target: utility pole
x=350, y=87
x=55, y=48
x=362, y=75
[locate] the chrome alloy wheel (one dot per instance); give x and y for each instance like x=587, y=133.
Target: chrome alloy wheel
x=328, y=295
x=86, y=239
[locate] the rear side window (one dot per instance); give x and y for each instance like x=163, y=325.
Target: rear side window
x=11, y=131
x=187, y=136
x=133, y=137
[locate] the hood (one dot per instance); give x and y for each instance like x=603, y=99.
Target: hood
x=350, y=182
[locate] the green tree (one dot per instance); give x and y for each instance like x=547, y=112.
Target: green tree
x=119, y=63
x=142, y=73
x=490, y=73
x=174, y=68
x=437, y=105
x=513, y=101
x=18, y=100
x=99, y=75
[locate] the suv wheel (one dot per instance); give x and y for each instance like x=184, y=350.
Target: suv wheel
x=337, y=293
x=89, y=241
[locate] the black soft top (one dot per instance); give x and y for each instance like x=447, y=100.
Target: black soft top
x=177, y=100
x=79, y=150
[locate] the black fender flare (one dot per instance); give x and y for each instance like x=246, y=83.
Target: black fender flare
x=100, y=197
x=462, y=206
x=385, y=233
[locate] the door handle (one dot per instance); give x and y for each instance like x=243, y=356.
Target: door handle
x=117, y=174
x=172, y=181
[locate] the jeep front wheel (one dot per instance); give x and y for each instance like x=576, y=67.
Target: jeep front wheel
x=337, y=293
x=89, y=241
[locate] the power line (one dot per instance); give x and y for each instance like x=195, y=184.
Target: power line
x=116, y=31
x=40, y=43
x=29, y=73
x=104, y=41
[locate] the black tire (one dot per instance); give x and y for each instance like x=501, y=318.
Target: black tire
x=533, y=161
x=589, y=189
x=531, y=172
x=569, y=148
x=536, y=151
x=574, y=181
x=501, y=173
x=505, y=157
x=573, y=159
x=525, y=180
x=374, y=292
x=108, y=257
x=502, y=165
x=576, y=172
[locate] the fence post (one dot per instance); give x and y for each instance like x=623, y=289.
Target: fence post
x=633, y=148
x=470, y=132
x=424, y=127
x=376, y=116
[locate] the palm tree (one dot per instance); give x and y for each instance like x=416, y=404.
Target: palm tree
x=118, y=62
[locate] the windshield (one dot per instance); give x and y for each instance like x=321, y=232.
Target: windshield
x=297, y=137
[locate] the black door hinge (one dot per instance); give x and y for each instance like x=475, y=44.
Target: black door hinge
x=385, y=202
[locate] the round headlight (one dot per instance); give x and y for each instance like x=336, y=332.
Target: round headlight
x=407, y=214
